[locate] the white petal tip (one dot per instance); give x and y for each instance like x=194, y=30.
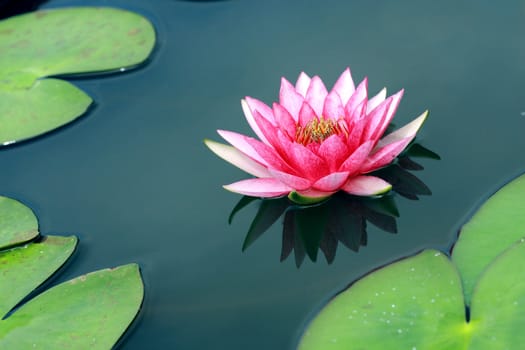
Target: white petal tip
x=384, y=190
x=213, y=145
x=228, y=188
x=418, y=122
x=367, y=186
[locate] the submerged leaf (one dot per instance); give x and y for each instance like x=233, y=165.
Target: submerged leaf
x=346, y=222
x=269, y=211
x=289, y=235
x=417, y=150
x=310, y=224
x=404, y=182
x=407, y=163
x=384, y=205
x=243, y=202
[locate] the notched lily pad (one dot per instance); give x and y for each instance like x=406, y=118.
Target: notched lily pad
x=415, y=303
x=47, y=105
x=24, y=268
x=54, y=42
x=18, y=224
x=496, y=226
x=88, y=312
x=497, y=315
x=427, y=303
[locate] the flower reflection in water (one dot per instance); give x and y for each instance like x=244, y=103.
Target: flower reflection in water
x=342, y=218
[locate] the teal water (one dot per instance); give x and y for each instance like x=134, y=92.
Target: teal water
x=135, y=182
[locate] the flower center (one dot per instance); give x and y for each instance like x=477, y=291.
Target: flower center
x=317, y=130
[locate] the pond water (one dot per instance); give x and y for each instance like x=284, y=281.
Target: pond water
x=135, y=182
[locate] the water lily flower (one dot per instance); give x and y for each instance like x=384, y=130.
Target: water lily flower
x=313, y=142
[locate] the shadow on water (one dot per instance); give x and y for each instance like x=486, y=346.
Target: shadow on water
x=342, y=218
x=10, y=8
x=202, y=0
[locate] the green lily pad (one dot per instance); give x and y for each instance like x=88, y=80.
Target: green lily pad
x=55, y=42
x=497, y=316
x=428, y=305
x=496, y=226
x=18, y=224
x=416, y=303
x=24, y=268
x=88, y=312
x=47, y=105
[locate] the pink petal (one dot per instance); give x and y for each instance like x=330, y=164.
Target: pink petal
x=237, y=158
x=284, y=120
x=255, y=149
x=301, y=86
x=240, y=142
x=305, y=163
x=344, y=86
x=333, y=108
x=295, y=182
x=334, y=151
x=316, y=95
x=261, y=107
x=308, y=163
x=354, y=162
x=380, y=130
x=366, y=186
x=306, y=114
x=389, y=147
x=385, y=155
x=408, y=131
x=290, y=99
x=274, y=136
x=376, y=100
x=331, y=182
x=253, y=124
x=265, y=187
x=356, y=127
x=356, y=100
x=269, y=131
x=313, y=146
x=375, y=120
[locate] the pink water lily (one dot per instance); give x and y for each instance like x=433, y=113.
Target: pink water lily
x=315, y=142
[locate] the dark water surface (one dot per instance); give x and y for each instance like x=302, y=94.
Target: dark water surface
x=134, y=181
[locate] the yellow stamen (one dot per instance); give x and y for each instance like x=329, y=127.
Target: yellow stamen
x=317, y=130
